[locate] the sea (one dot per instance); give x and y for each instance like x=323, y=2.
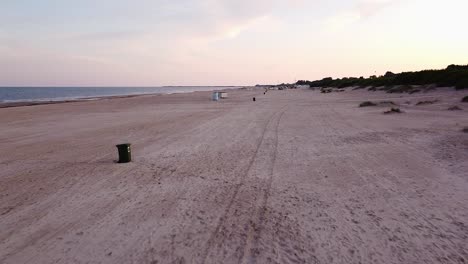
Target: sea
x=34, y=94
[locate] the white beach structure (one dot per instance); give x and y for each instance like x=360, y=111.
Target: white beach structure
x=215, y=96
x=219, y=95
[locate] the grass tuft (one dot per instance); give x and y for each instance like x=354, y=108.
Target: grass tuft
x=426, y=102
x=454, y=108
x=393, y=111
x=367, y=103
x=387, y=103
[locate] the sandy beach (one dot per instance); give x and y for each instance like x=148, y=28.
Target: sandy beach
x=295, y=177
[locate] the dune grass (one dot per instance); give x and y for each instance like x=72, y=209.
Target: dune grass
x=381, y=103
x=387, y=103
x=454, y=108
x=367, y=103
x=427, y=102
x=393, y=110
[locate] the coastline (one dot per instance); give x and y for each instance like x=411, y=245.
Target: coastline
x=49, y=102
x=99, y=98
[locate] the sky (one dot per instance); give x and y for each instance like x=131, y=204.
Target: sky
x=224, y=42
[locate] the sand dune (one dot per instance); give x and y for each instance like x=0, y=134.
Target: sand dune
x=295, y=177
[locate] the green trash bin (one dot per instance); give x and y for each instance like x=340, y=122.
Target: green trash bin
x=125, y=154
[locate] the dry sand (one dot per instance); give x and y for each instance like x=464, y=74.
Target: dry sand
x=295, y=177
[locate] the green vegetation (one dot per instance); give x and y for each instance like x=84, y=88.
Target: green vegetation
x=452, y=76
x=393, y=110
x=454, y=108
x=426, y=102
x=387, y=103
x=367, y=103
x=381, y=103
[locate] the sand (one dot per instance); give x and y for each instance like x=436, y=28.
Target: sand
x=295, y=177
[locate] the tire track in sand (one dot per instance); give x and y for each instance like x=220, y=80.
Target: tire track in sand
x=256, y=228
x=213, y=237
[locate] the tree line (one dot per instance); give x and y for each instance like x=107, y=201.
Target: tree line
x=452, y=76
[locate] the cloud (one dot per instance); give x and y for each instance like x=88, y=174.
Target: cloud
x=232, y=29
x=361, y=9
x=177, y=30
x=153, y=37
x=226, y=19
x=108, y=35
x=175, y=25
x=342, y=20
x=371, y=7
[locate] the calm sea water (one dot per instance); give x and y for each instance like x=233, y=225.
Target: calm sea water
x=26, y=94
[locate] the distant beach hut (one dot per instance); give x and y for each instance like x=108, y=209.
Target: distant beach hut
x=223, y=95
x=215, y=96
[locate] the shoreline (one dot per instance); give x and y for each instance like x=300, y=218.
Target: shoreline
x=50, y=102
x=100, y=98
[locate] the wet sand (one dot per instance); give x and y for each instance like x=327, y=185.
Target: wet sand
x=295, y=177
